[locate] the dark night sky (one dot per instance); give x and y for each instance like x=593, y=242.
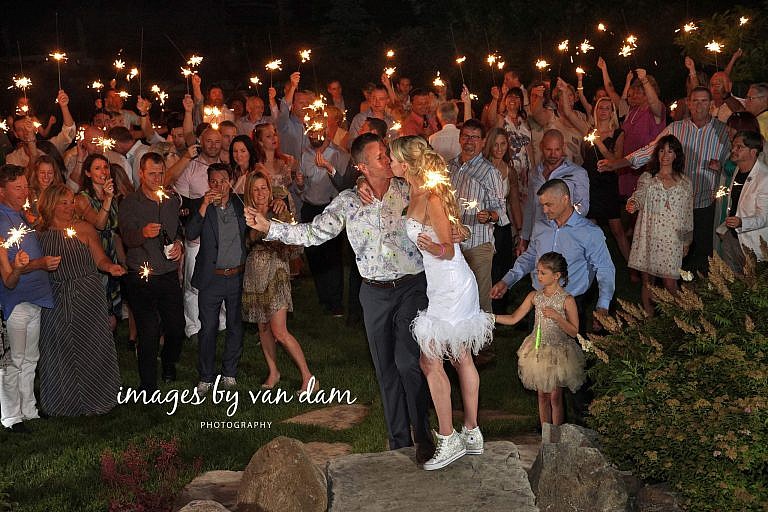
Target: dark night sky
x=348, y=38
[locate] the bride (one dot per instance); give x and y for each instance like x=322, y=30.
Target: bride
x=453, y=325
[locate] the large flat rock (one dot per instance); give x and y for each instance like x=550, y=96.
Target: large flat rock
x=338, y=417
x=392, y=481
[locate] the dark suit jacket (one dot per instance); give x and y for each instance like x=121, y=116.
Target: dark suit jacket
x=207, y=228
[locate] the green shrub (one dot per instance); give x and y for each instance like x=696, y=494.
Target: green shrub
x=682, y=397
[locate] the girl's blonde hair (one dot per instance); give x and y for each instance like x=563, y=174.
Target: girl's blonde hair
x=614, y=122
x=430, y=168
x=249, y=181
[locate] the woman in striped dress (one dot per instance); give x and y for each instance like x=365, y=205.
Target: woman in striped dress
x=79, y=374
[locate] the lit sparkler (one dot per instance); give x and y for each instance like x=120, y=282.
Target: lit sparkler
x=58, y=56
x=145, y=271
x=563, y=46
x=119, y=64
x=396, y=126
x=461, y=59
x=255, y=80
x=491, y=60
x=601, y=27
x=26, y=206
x=390, y=71
x=274, y=65
x=626, y=51
x=721, y=192
x=22, y=83
x=591, y=137
x=542, y=64
x=438, y=82
x=743, y=21
x=631, y=40
x=97, y=85
x=673, y=106
x=16, y=235
x=155, y=89
x=390, y=54
x=585, y=46
x=70, y=232
x=194, y=61
x=186, y=72
x=500, y=64
x=469, y=205
x=4, y=126
x=687, y=28
x=432, y=179
x=133, y=73
x=580, y=71
x=305, y=55
x=106, y=144
x=161, y=194
x=124, y=94
x=714, y=47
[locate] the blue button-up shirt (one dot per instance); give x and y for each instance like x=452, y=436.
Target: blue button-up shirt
x=33, y=287
x=293, y=140
x=573, y=175
x=583, y=246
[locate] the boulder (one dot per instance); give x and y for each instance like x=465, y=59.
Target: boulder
x=571, y=474
x=321, y=453
x=282, y=478
x=391, y=481
x=219, y=486
x=204, y=506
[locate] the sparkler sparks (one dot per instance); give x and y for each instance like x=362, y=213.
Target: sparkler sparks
x=389, y=71
x=318, y=105
x=194, y=61
x=162, y=96
x=673, y=106
x=145, y=271
x=461, y=59
x=390, y=54
x=501, y=64
x=591, y=137
x=688, y=27
x=491, y=59
x=26, y=206
x=275, y=65
x=124, y=94
x=563, y=46
x=155, y=89
x=433, y=179
x=721, y=192
x=58, y=56
x=212, y=111
x=305, y=55
x=315, y=126
x=542, y=64
x=119, y=64
x=96, y=85
x=714, y=47
x=161, y=194
x=255, y=80
x=16, y=235
x=631, y=40
x=580, y=71
x=396, y=126
x=469, y=205
x=626, y=51
x=104, y=143
x=21, y=82
x=438, y=82
x=70, y=232
x=601, y=27
x=743, y=21
x=186, y=72
x=4, y=125
x=585, y=46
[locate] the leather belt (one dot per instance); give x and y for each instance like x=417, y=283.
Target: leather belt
x=229, y=271
x=393, y=283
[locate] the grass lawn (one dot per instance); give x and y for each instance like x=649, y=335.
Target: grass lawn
x=56, y=468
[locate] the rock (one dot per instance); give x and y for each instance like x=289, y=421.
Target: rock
x=219, y=486
x=321, y=453
x=487, y=415
x=282, y=478
x=571, y=474
x=338, y=417
x=392, y=482
x=204, y=506
x=657, y=498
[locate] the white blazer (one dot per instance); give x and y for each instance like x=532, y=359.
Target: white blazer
x=753, y=208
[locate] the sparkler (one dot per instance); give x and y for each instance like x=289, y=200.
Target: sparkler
x=469, y=205
x=255, y=81
x=16, y=235
x=104, y=143
x=673, y=106
x=438, y=82
x=26, y=206
x=580, y=71
x=70, y=232
x=145, y=271
x=626, y=51
x=119, y=64
x=155, y=88
x=743, y=21
x=97, y=85
x=591, y=138
x=4, y=126
x=396, y=126
x=563, y=46
x=461, y=61
x=491, y=59
x=433, y=179
x=390, y=71
x=194, y=61
x=305, y=55
x=133, y=73
x=161, y=194
x=58, y=57
x=541, y=65
x=601, y=27
x=687, y=28
x=273, y=66
x=390, y=54
x=124, y=94
x=22, y=83
x=500, y=64
x=714, y=47
x=585, y=46
x=721, y=192
x=632, y=40
x=186, y=73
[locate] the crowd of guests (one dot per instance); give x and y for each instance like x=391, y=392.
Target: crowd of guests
x=147, y=224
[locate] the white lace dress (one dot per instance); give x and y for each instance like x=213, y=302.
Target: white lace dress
x=453, y=323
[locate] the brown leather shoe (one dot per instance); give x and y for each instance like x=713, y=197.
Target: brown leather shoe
x=424, y=451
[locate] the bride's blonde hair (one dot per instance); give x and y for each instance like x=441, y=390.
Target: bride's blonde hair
x=429, y=167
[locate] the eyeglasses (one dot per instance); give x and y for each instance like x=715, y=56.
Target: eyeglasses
x=753, y=98
x=470, y=137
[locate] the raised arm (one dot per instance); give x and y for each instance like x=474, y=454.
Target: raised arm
x=615, y=98
x=736, y=56
x=654, y=103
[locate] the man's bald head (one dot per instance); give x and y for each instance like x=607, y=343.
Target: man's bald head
x=554, y=135
x=552, y=144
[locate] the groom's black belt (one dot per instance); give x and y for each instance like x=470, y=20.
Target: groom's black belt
x=393, y=283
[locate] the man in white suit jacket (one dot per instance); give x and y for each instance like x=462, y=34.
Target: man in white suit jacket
x=747, y=220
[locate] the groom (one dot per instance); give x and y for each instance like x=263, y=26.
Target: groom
x=393, y=289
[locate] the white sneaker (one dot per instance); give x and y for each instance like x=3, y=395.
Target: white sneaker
x=203, y=387
x=473, y=440
x=449, y=448
x=228, y=382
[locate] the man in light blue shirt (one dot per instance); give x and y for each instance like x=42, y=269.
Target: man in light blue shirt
x=576, y=238
x=553, y=165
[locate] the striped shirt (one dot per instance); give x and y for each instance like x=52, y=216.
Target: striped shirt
x=700, y=145
x=477, y=180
